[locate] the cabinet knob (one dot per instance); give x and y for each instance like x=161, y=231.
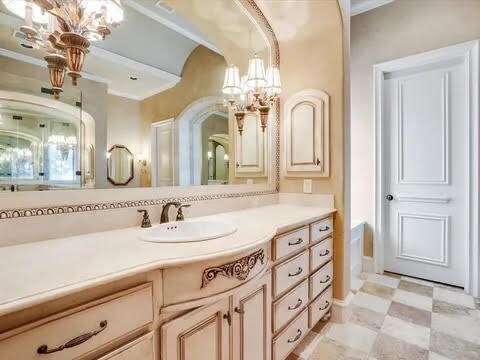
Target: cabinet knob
x=389, y=197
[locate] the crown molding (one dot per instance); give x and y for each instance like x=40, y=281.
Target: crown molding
x=361, y=6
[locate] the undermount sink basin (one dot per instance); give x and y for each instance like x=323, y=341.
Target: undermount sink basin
x=187, y=231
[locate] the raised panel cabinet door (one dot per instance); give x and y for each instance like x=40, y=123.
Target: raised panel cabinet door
x=251, y=322
x=200, y=334
x=307, y=133
x=250, y=148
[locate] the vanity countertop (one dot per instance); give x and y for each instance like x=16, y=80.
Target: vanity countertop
x=40, y=271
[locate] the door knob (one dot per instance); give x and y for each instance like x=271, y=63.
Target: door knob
x=389, y=197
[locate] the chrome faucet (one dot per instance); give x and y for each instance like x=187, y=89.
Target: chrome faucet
x=166, y=207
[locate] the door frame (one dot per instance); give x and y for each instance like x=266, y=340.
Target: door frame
x=469, y=53
x=153, y=148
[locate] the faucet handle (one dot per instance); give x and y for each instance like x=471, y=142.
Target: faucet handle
x=146, y=220
x=180, y=216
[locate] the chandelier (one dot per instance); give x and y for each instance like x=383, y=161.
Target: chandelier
x=253, y=92
x=65, y=29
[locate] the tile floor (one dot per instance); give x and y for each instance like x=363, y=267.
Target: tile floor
x=397, y=317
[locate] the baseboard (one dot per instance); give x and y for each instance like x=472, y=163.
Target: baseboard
x=368, y=265
x=341, y=309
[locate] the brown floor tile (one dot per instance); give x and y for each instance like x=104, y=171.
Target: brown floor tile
x=378, y=290
x=387, y=347
x=366, y=318
x=451, y=288
x=329, y=349
x=452, y=347
x=292, y=356
x=450, y=309
x=396, y=276
x=416, y=288
x=410, y=314
x=320, y=326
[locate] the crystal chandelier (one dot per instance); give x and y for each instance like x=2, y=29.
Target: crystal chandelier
x=65, y=29
x=253, y=92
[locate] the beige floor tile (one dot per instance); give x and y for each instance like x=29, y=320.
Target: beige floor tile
x=406, y=331
x=356, y=284
x=452, y=347
x=453, y=297
x=390, y=348
x=462, y=327
x=434, y=356
x=416, y=288
x=443, y=307
x=308, y=345
x=371, y=302
x=376, y=289
x=412, y=299
x=329, y=349
x=411, y=314
x=352, y=335
x=418, y=281
x=396, y=276
x=384, y=280
x=367, y=318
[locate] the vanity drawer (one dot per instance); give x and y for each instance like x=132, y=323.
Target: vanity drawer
x=289, y=273
x=289, y=338
x=84, y=329
x=198, y=281
x=321, y=228
x=321, y=279
x=138, y=349
x=290, y=242
x=321, y=253
x=289, y=305
x=319, y=307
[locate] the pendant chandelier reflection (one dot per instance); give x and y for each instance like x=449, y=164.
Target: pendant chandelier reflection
x=256, y=91
x=65, y=29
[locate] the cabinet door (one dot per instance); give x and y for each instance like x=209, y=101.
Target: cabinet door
x=251, y=319
x=250, y=148
x=307, y=134
x=199, y=334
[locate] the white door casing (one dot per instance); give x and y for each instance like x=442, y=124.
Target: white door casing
x=426, y=119
x=162, y=153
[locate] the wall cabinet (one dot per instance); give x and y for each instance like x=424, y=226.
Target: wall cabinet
x=250, y=149
x=306, y=129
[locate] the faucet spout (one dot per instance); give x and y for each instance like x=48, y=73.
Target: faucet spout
x=164, y=216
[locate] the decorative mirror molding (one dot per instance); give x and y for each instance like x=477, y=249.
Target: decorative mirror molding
x=120, y=169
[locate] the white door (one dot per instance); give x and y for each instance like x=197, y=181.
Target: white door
x=250, y=148
x=426, y=171
x=162, y=153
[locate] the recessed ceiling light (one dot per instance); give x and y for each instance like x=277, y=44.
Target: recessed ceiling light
x=133, y=78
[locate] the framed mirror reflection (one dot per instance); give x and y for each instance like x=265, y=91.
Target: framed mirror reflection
x=176, y=101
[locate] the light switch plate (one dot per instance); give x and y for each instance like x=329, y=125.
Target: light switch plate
x=307, y=186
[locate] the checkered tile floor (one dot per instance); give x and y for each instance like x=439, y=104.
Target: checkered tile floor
x=397, y=317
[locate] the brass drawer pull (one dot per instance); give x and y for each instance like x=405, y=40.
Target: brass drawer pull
x=299, y=334
x=325, y=253
x=43, y=349
x=326, y=228
x=239, y=311
x=299, y=241
x=327, y=279
x=297, y=305
x=299, y=271
x=327, y=304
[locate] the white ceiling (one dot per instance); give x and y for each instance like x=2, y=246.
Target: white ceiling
x=361, y=6
x=150, y=44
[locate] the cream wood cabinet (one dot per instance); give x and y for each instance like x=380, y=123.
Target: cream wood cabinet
x=251, y=322
x=306, y=130
x=250, y=152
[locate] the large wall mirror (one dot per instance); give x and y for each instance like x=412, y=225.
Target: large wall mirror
x=154, y=87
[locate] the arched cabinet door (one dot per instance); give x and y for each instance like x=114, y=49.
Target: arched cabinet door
x=306, y=129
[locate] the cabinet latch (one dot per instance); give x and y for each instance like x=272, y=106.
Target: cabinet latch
x=228, y=317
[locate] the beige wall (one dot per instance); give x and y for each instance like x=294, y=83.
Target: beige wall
x=311, y=56
x=203, y=75
x=402, y=28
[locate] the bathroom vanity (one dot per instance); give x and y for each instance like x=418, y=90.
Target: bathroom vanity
x=253, y=294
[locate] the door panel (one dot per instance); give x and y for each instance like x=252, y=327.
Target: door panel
x=426, y=171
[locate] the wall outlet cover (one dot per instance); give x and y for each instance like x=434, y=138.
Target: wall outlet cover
x=307, y=186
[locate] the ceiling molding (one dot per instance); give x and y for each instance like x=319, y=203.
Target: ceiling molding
x=145, y=95
x=132, y=64
x=361, y=6
x=42, y=63
x=170, y=24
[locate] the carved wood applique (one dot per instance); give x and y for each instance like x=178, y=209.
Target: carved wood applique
x=238, y=269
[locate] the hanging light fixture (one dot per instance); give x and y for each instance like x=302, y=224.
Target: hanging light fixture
x=254, y=92
x=65, y=28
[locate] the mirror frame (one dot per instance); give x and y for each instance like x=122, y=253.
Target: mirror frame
x=132, y=168
x=51, y=203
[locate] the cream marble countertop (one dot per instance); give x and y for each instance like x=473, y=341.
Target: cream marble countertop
x=40, y=271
